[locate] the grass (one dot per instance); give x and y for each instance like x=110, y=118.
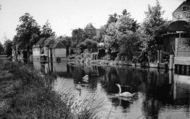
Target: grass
x=27, y=94
x=85, y=108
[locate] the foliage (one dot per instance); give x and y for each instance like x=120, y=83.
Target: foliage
x=112, y=18
x=151, y=25
x=78, y=35
x=1, y=48
x=47, y=31
x=120, y=34
x=28, y=32
x=130, y=46
x=125, y=23
x=66, y=40
x=89, y=44
x=26, y=94
x=90, y=31
x=100, y=34
x=86, y=38
x=8, y=47
x=110, y=36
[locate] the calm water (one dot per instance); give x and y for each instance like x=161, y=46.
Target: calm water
x=158, y=94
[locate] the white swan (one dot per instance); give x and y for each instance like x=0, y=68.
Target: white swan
x=124, y=94
x=85, y=78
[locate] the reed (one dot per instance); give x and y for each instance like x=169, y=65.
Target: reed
x=26, y=93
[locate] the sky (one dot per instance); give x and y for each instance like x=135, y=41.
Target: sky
x=66, y=15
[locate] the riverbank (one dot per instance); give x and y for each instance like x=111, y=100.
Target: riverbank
x=26, y=93
x=117, y=63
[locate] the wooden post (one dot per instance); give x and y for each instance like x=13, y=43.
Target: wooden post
x=176, y=47
x=51, y=59
x=171, y=62
x=158, y=58
x=183, y=69
x=171, y=77
x=187, y=70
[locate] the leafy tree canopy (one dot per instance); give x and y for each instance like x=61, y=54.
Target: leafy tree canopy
x=90, y=31
x=28, y=32
x=8, y=47
x=151, y=26
x=125, y=22
x=1, y=48
x=153, y=18
x=47, y=30
x=78, y=35
x=119, y=31
x=89, y=44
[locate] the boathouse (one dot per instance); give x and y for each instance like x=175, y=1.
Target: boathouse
x=58, y=51
x=49, y=49
x=37, y=49
x=179, y=30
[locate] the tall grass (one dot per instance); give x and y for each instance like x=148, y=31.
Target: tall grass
x=84, y=108
x=26, y=94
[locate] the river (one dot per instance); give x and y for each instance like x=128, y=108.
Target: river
x=158, y=94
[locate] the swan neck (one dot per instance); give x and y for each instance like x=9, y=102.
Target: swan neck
x=119, y=89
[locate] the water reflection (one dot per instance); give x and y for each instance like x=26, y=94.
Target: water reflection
x=159, y=94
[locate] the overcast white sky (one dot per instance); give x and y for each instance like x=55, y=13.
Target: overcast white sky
x=65, y=15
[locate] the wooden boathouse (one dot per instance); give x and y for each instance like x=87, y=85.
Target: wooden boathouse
x=180, y=28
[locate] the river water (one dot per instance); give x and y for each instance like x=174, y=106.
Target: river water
x=157, y=94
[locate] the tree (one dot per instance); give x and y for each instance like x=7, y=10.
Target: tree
x=130, y=46
x=126, y=23
x=100, y=34
x=110, y=36
x=112, y=18
x=90, y=31
x=66, y=40
x=28, y=32
x=89, y=44
x=47, y=30
x=121, y=34
x=1, y=49
x=109, y=32
x=151, y=24
x=8, y=47
x=78, y=35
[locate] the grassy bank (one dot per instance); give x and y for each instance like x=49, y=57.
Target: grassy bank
x=27, y=94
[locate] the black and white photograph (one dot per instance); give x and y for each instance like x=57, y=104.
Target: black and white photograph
x=94, y=59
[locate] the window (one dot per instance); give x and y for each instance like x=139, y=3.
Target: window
x=185, y=8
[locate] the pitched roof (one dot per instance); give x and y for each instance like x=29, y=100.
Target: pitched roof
x=40, y=43
x=49, y=42
x=187, y=3
x=58, y=44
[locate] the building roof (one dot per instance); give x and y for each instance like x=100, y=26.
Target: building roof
x=178, y=26
x=185, y=3
x=182, y=12
x=58, y=44
x=49, y=42
x=40, y=43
